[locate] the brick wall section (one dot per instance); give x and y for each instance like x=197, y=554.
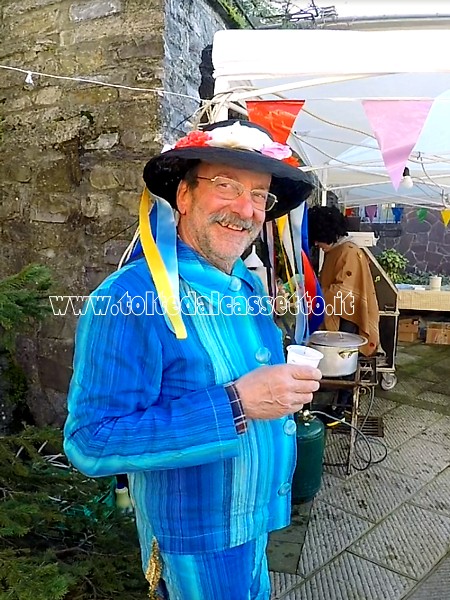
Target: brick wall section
x=72, y=154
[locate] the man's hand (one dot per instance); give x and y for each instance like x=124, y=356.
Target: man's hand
x=277, y=391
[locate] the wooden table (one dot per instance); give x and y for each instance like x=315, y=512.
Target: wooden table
x=424, y=300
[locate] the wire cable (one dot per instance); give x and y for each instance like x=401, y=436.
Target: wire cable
x=370, y=461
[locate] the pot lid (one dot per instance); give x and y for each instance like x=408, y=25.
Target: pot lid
x=337, y=339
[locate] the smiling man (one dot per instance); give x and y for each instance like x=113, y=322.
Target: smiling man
x=196, y=409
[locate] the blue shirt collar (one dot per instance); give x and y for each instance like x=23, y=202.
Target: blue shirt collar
x=205, y=278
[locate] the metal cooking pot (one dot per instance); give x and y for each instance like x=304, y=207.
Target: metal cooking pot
x=340, y=351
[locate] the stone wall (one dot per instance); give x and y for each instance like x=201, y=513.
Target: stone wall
x=72, y=153
x=425, y=244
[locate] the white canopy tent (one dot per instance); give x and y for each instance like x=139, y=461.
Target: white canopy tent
x=334, y=71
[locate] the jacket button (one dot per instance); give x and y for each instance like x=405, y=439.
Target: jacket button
x=284, y=489
x=235, y=284
x=262, y=355
x=290, y=427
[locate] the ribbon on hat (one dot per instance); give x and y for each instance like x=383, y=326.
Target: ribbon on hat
x=162, y=259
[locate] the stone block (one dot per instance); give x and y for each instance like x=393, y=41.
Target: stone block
x=105, y=141
x=113, y=251
x=88, y=96
x=10, y=207
x=37, y=21
x=87, y=59
x=17, y=103
x=130, y=201
x=132, y=177
x=152, y=47
x=12, y=9
x=105, y=178
x=48, y=407
x=56, y=177
x=47, y=254
x=44, y=216
x=48, y=95
x=60, y=351
x=130, y=138
x=22, y=173
x=93, y=30
x=53, y=375
x=66, y=130
x=52, y=208
x=96, y=9
x=97, y=205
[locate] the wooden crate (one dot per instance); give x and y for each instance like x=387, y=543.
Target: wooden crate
x=438, y=333
x=408, y=330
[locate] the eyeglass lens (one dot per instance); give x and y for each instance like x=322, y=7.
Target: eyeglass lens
x=229, y=189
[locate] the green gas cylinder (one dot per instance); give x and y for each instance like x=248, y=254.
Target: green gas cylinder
x=310, y=449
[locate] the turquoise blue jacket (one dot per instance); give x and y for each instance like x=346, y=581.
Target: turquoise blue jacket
x=144, y=403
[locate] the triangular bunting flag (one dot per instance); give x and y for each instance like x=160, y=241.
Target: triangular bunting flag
x=397, y=125
x=422, y=214
x=397, y=211
x=445, y=214
x=277, y=116
x=371, y=212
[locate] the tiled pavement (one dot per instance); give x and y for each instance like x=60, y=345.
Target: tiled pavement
x=382, y=533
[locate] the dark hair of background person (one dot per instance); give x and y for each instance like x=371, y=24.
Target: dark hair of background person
x=326, y=224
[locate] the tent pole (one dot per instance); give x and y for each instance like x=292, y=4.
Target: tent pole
x=221, y=109
x=323, y=189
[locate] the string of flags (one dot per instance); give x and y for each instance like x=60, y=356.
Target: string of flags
x=396, y=124
x=421, y=214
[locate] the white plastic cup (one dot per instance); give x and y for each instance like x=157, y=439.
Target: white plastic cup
x=435, y=282
x=304, y=356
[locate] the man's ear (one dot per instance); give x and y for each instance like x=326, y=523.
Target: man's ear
x=183, y=197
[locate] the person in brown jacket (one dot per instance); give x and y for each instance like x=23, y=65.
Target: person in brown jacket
x=346, y=281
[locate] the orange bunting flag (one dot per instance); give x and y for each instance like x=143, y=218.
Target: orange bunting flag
x=277, y=116
x=445, y=214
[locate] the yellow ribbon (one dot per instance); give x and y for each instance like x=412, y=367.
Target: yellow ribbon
x=158, y=270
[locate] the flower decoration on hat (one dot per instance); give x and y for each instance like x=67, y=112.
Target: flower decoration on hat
x=235, y=137
x=194, y=138
x=276, y=150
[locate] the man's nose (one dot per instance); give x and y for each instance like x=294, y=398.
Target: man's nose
x=243, y=205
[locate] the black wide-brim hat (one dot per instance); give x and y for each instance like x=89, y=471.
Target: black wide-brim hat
x=163, y=173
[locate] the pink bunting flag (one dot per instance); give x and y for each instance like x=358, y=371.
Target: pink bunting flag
x=397, y=125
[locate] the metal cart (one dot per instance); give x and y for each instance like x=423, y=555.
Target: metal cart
x=387, y=296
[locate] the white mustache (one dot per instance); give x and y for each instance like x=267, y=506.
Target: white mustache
x=225, y=220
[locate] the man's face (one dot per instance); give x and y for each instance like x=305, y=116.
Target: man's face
x=220, y=230
x=324, y=246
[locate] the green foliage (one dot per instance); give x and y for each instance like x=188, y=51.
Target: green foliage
x=234, y=13
x=393, y=263
x=241, y=12
x=59, y=537
x=23, y=300
x=13, y=383
x=423, y=278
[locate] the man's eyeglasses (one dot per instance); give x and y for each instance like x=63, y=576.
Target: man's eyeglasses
x=229, y=189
